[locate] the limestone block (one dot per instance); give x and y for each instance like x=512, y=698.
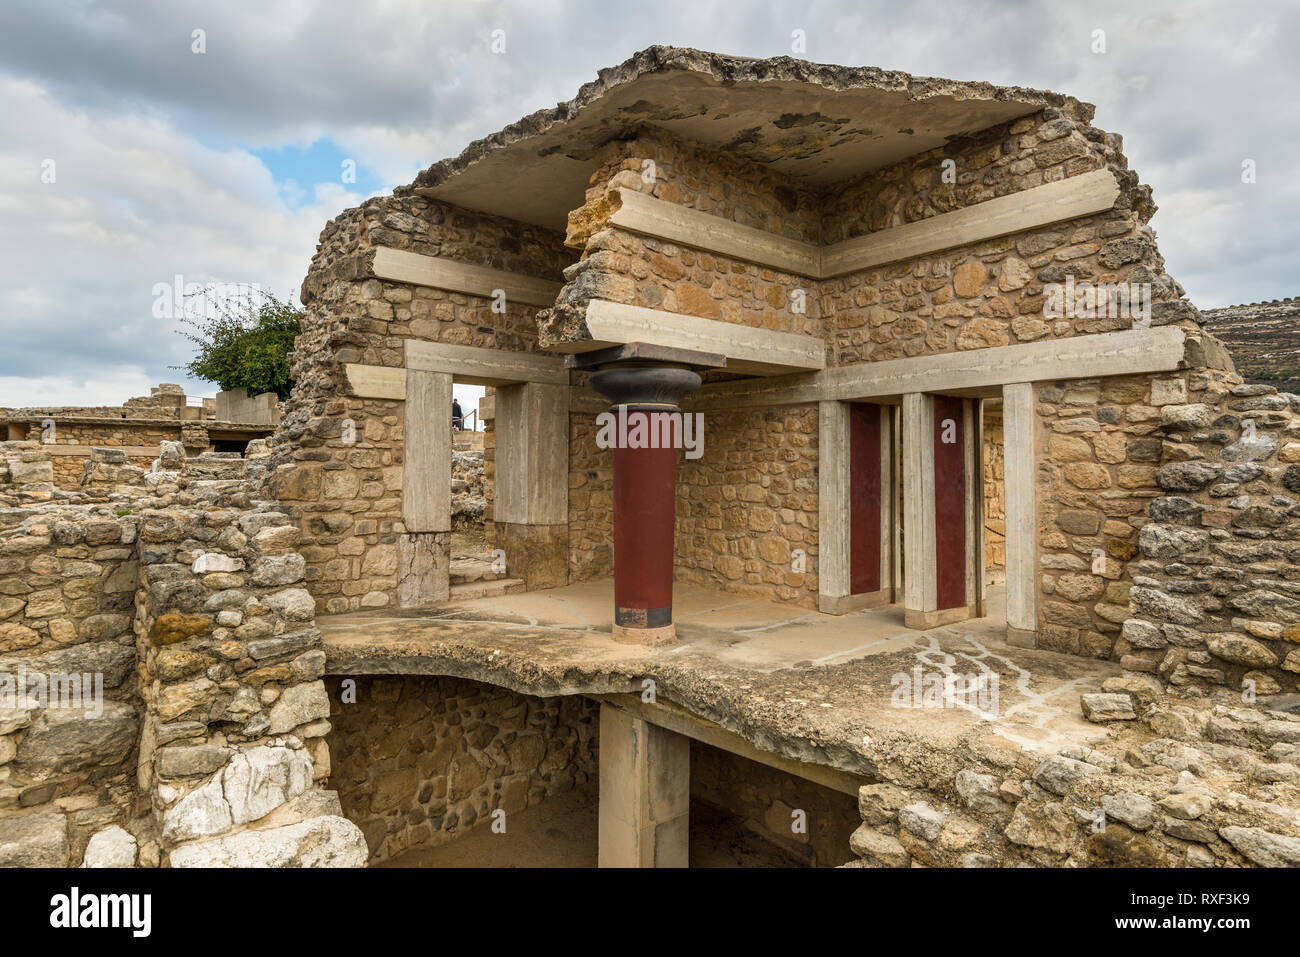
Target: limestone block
x=34, y=840
x=111, y=847
x=329, y=841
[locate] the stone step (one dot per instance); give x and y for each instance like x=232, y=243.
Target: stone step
x=465, y=570
x=482, y=589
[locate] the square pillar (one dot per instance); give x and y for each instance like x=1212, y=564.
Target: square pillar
x=1020, y=468
x=645, y=793
x=530, y=508
x=920, y=583
x=424, y=560
x=832, y=506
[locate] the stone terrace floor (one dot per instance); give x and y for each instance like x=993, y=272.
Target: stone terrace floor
x=813, y=687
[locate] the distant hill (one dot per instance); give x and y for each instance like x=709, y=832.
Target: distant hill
x=1263, y=338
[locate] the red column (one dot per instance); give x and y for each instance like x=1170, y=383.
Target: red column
x=645, y=484
x=864, y=498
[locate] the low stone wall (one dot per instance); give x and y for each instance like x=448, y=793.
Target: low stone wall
x=197, y=733
x=418, y=761
x=1188, y=783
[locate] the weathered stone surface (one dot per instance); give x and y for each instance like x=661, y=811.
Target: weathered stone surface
x=299, y=704
x=71, y=739
x=1107, y=707
x=318, y=842
x=1132, y=809
x=1263, y=847
x=111, y=847
x=259, y=780
x=922, y=820
x=878, y=849
x=1058, y=774
x=34, y=840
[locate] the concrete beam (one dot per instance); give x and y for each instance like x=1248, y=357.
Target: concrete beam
x=977, y=371
x=426, y=472
x=399, y=265
x=749, y=350
x=1071, y=198
x=1020, y=468
x=479, y=366
x=673, y=222
x=376, y=382
x=532, y=454
x=645, y=793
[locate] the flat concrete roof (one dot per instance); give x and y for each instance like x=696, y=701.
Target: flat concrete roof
x=812, y=687
x=818, y=122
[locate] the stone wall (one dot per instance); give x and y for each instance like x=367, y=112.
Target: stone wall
x=197, y=737
x=338, y=459
x=69, y=701
x=749, y=503
x=1176, y=783
x=1215, y=597
x=419, y=761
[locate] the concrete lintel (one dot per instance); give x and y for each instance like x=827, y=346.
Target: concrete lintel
x=417, y=269
x=749, y=350
x=376, y=382
x=479, y=366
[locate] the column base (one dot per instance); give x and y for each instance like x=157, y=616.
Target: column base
x=844, y=604
x=922, y=620
x=663, y=635
x=1022, y=637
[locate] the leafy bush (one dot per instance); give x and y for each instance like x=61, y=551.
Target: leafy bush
x=243, y=343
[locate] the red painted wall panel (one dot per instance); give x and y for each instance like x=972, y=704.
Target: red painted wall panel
x=950, y=500
x=864, y=498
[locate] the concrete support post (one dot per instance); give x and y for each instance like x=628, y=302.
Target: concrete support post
x=1020, y=469
x=425, y=545
x=920, y=592
x=833, y=506
x=645, y=793
x=530, y=510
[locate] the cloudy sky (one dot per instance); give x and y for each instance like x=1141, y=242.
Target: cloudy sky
x=128, y=159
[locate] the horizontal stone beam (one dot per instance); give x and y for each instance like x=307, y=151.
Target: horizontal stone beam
x=376, y=382
x=1132, y=351
x=748, y=350
x=480, y=366
x=399, y=265
x=1065, y=199
x=673, y=222
x=1070, y=198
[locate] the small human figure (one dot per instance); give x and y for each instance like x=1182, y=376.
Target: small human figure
x=457, y=417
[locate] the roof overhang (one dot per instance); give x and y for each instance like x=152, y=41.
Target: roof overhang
x=821, y=124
